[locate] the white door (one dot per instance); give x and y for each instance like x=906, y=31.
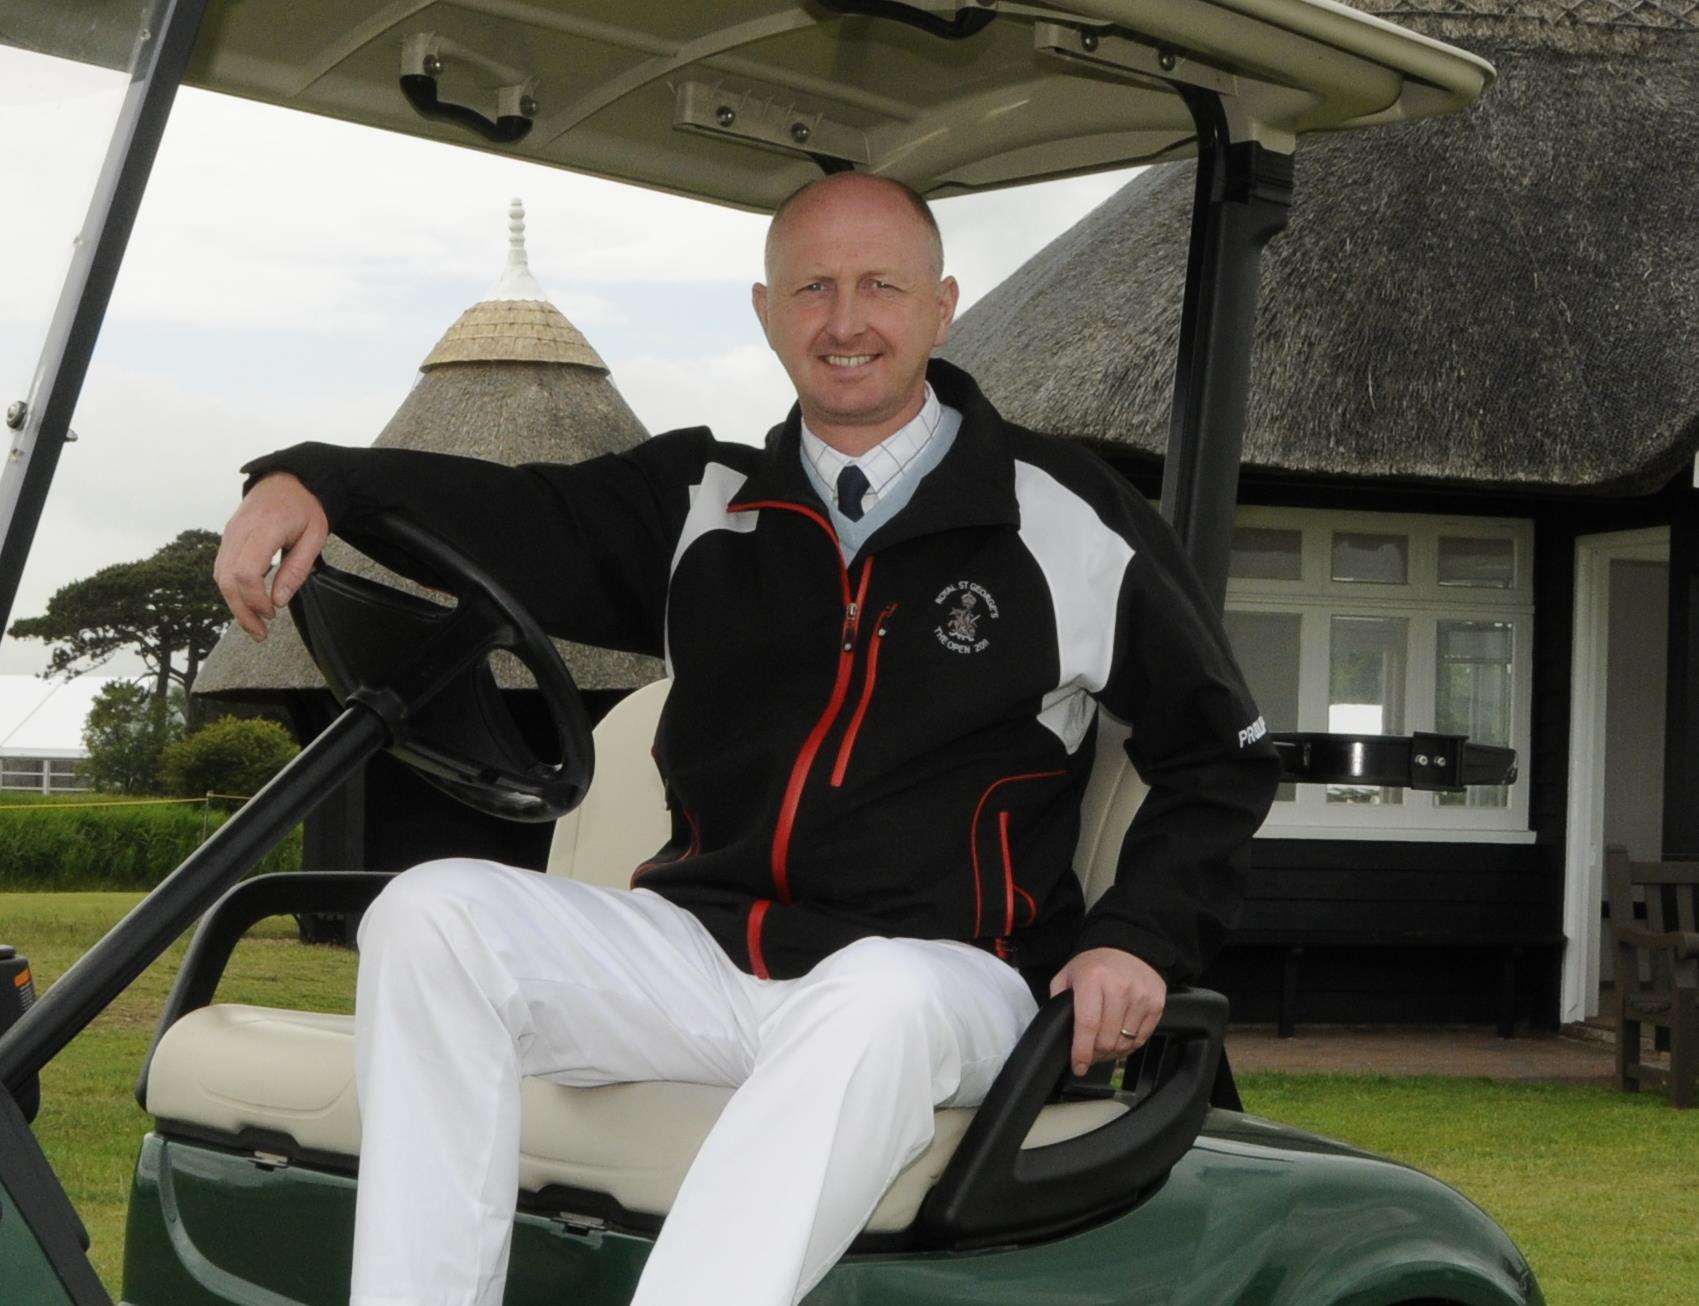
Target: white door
x=1616, y=738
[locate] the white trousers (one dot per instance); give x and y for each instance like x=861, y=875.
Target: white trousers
x=473, y=974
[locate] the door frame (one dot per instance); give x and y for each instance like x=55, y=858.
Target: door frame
x=1584, y=853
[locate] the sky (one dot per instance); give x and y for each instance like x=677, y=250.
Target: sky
x=288, y=273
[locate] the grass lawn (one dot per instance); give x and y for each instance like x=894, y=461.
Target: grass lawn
x=1599, y=1189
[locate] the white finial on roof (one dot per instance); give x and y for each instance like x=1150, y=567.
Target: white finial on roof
x=515, y=322
x=516, y=279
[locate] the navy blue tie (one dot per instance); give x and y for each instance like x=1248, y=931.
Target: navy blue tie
x=852, y=486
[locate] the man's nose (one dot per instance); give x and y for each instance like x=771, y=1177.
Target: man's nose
x=848, y=318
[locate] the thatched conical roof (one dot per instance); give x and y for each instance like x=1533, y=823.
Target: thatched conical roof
x=512, y=381
x=1509, y=296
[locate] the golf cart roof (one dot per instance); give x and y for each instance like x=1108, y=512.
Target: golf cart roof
x=741, y=101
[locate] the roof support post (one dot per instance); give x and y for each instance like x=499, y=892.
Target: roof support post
x=156, y=71
x=1681, y=717
x=1244, y=191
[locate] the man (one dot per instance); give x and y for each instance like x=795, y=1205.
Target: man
x=886, y=632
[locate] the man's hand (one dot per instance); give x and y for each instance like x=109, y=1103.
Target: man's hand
x=1113, y=991
x=278, y=513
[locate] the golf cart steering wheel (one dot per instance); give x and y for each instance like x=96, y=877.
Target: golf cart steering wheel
x=424, y=670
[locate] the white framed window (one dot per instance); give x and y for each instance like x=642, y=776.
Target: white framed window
x=22, y=773
x=1388, y=623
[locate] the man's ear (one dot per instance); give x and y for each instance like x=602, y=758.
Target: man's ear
x=758, y=299
x=948, y=293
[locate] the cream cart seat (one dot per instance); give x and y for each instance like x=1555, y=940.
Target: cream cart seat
x=285, y=1079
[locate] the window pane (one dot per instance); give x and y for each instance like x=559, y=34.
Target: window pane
x=1260, y=553
x=64, y=84
x=1365, y=691
x=1373, y=559
x=1266, y=645
x=1473, y=695
x=1480, y=564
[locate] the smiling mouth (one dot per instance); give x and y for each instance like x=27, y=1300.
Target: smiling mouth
x=848, y=362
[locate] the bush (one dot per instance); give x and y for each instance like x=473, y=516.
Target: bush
x=126, y=732
x=118, y=846
x=234, y=755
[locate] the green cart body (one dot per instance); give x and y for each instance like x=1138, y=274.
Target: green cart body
x=1255, y=1213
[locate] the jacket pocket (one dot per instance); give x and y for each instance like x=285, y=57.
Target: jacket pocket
x=1018, y=906
x=1000, y=904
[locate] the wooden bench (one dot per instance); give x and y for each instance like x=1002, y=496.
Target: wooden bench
x=1511, y=948
x=1662, y=931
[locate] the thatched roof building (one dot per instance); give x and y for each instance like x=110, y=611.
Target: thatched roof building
x=1509, y=296
x=512, y=381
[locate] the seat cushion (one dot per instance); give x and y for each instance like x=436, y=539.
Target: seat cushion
x=231, y=1067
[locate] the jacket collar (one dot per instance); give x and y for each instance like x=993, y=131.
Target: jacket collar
x=974, y=484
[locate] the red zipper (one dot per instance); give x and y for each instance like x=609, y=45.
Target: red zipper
x=973, y=836
x=848, y=746
x=840, y=689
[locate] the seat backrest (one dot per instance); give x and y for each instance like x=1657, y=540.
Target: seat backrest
x=623, y=819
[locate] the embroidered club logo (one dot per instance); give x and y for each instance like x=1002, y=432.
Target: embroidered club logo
x=967, y=609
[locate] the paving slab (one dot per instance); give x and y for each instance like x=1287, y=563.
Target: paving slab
x=1464, y=1051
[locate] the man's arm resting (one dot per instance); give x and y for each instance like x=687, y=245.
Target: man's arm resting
x=1212, y=777
x=585, y=546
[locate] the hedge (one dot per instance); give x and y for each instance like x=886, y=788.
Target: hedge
x=111, y=847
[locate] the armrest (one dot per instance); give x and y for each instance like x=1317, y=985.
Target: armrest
x=993, y=1186
x=1683, y=945
x=242, y=907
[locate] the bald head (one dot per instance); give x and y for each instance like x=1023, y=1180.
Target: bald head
x=849, y=195
x=854, y=304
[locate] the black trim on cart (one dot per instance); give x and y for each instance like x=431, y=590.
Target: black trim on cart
x=1422, y=760
x=992, y=1185
x=162, y=54
x=420, y=90
x=38, y=1198
x=1243, y=194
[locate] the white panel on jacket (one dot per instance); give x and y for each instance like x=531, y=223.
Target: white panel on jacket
x=708, y=500
x=1083, y=562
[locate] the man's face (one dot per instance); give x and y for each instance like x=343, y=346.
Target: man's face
x=854, y=304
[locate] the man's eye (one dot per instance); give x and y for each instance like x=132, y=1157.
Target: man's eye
x=813, y=287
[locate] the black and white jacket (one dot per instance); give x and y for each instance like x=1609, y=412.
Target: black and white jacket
x=898, y=746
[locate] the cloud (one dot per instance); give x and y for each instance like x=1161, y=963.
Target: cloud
x=740, y=392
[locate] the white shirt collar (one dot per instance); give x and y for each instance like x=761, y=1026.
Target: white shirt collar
x=885, y=461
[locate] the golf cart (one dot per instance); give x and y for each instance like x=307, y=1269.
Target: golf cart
x=1054, y=1189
